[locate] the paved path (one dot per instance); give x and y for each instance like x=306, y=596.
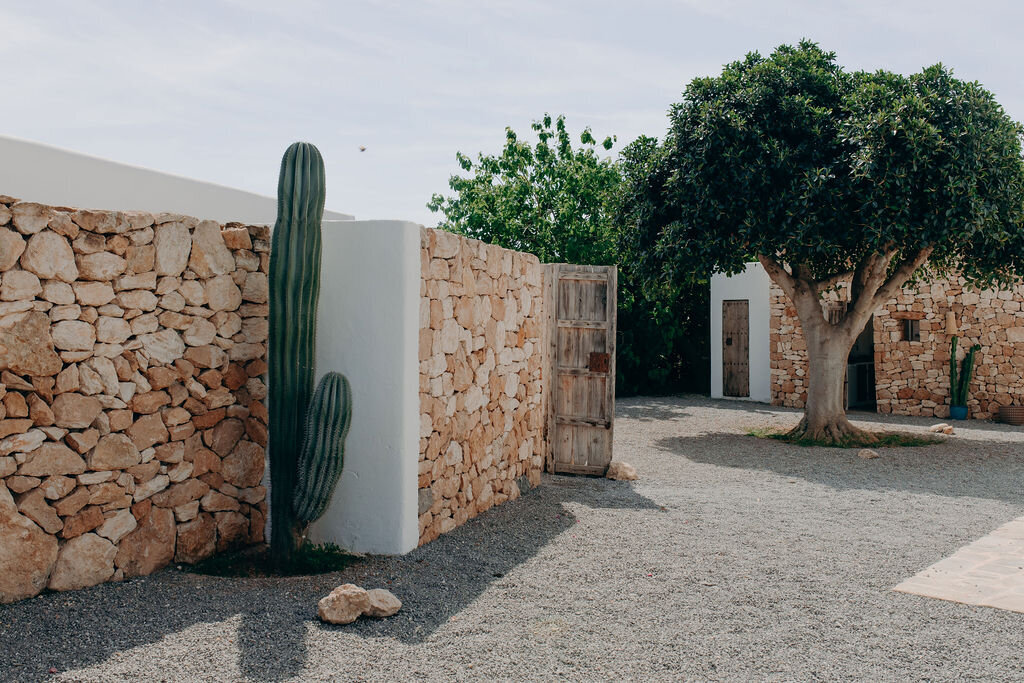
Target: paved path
x=988, y=572
x=732, y=559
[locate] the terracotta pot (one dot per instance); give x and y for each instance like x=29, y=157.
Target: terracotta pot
x=1011, y=415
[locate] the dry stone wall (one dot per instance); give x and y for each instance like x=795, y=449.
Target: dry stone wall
x=132, y=427
x=912, y=377
x=481, y=394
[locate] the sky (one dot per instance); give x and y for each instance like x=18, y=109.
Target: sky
x=217, y=90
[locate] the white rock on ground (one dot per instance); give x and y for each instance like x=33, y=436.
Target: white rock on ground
x=383, y=603
x=867, y=454
x=622, y=471
x=345, y=604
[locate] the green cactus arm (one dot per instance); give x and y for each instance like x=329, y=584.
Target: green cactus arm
x=294, y=278
x=967, y=373
x=954, y=386
x=323, y=447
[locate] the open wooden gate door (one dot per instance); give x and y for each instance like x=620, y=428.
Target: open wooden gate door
x=735, y=348
x=580, y=310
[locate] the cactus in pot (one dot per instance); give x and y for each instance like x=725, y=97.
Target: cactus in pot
x=307, y=429
x=960, y=382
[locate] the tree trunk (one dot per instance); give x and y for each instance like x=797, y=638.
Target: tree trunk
x=828, y=351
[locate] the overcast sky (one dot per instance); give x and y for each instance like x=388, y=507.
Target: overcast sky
x=217, y=90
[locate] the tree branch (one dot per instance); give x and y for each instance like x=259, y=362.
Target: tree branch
x=800, y=291
x=833, y=280
x=899, y=277
x=778, y=273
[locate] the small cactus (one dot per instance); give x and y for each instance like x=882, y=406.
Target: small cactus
x=960, y=383
x=323, y=446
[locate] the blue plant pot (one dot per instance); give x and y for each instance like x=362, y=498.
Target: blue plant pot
x=958, y=412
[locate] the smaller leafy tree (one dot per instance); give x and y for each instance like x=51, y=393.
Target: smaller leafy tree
x=563, y=203
x=549, y=199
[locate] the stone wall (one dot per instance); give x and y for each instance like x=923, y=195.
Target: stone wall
x=132, y=427
x=912, y=377
x=481, y=396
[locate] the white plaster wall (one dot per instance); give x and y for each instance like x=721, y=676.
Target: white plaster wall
x=368, y=329
x=752, y=285
x=49, y=175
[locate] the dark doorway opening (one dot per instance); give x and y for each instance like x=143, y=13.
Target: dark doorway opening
x=860, y=370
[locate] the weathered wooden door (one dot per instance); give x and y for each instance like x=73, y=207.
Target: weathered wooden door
x=735, y=348
x=580, y=310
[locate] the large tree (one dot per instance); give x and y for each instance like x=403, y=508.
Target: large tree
x=831, y=179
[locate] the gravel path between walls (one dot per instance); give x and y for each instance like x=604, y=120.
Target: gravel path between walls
x=733, y=558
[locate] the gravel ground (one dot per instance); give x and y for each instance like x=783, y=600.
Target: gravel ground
x=733, y=558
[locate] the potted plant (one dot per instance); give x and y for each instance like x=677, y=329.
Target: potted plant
x=959, y=384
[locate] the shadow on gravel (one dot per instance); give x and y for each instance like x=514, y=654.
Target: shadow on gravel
x=85, y=628
x=438, y=580
x=975, y=468
x=658, y=408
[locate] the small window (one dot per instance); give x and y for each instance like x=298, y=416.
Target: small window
x=912, y=330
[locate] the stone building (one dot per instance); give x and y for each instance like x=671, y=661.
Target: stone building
x=899, y=364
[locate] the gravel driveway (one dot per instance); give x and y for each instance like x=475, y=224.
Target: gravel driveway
x=732, y=558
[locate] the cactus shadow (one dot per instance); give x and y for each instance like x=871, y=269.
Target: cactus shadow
x=203, y=627
x=436, y=581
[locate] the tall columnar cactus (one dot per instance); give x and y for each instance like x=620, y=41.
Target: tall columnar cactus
x=959, y=385
x=323, y=447
x=294, y=290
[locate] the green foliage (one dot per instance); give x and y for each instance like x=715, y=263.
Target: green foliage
x=791, y=156
x=323, y=446
x=294, y=279
x=871, y=440
x=549, y=199
x=294, y=293
x=960, y=384
x=564, y=204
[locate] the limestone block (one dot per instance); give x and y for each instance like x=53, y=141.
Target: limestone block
x=84, y=561
x=50, y=257
x=29, y=553
x=26, y=346
x=173, y=248
x=100, y=266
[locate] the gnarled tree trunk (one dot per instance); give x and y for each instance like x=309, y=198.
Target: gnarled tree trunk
x=874, y=279
x=828, y=351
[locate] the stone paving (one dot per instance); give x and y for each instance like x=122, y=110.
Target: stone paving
x=988, y=572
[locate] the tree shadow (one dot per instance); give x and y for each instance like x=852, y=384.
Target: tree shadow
x=85, y=628
x=986, y=464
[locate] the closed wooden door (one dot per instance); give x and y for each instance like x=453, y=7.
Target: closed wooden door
x=580, y=311
x=735, y=348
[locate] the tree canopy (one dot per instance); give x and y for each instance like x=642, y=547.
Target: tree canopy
x=793, y=158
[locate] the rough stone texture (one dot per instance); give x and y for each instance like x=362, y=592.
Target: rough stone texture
x=26, y=346
x=83, y=561
x=150, y=546
x=108, y=322
x=912, y=377
x=343, y=605
x=49, y=256
x=383, y=603
x=481, y=389
x=196, y=539
x=28, y=556
x=12, y=246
